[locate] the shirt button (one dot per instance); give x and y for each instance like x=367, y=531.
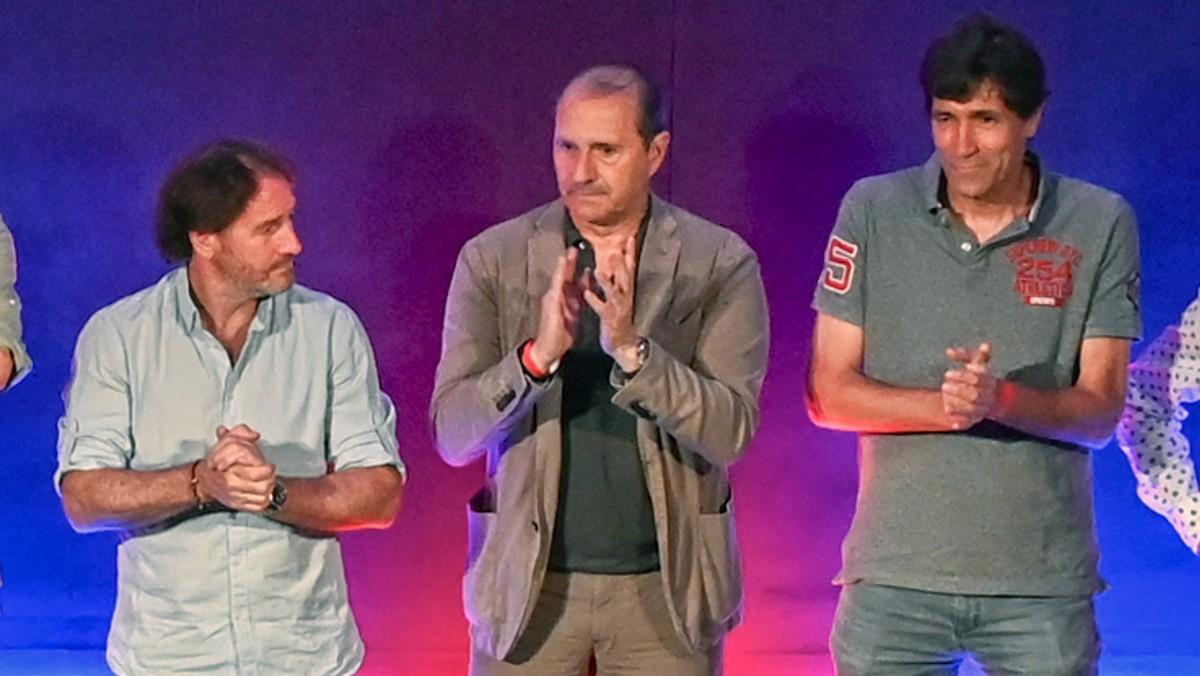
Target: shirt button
x=966, y=246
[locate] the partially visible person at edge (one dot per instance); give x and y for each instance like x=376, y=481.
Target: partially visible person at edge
x=1164, y=378
x=14, y=359
x=975, y=317
x=228, y=423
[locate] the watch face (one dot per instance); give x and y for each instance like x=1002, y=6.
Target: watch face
x=278, y=496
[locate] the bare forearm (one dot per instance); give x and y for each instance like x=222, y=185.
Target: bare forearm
x=120, y=499
x=367, y=497
x=853, y=402
x=1073, y=415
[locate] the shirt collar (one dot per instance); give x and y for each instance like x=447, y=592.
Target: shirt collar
x=574, y=237
x=273, y=311
x=934, y=184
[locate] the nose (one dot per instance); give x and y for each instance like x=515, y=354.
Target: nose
x=964, y=140
x=290, y=244
x=585, y=169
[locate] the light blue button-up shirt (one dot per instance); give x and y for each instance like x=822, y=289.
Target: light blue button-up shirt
x=228, y=593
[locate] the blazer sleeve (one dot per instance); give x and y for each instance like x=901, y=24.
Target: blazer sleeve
x=711, y=406
x=481, y=391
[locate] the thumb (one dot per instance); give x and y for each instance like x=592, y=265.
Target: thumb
x=983, y=355
x=246, y=432
x=958, y=354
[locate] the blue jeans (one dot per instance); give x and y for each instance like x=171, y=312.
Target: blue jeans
x=906, y=632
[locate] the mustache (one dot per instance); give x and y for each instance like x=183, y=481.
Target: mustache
x=585, y=189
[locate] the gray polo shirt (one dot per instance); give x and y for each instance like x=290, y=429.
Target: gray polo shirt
x=991, y=510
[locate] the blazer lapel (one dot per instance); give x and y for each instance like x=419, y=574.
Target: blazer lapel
x=542, y=252
x=656, y=267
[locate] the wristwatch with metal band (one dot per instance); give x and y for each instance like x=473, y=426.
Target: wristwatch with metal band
x=278, y=497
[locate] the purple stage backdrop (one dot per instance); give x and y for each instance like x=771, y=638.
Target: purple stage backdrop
x=417, y=124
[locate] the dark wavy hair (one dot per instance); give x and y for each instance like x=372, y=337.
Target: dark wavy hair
x=209, y=189
x=981, y=49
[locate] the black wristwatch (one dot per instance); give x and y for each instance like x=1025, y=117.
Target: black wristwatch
x=278, y=497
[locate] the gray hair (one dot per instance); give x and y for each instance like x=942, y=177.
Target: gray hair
x=606, y=80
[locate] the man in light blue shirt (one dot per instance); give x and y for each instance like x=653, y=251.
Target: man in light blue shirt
x=14, y=360
x=229, y=422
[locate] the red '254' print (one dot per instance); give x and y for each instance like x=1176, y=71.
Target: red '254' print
x=839, y=265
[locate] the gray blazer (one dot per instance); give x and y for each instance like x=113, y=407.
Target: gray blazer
x=701, y=304
x=10, y=306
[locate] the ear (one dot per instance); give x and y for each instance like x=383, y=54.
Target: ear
x=204, y=244
x=1032, y=124
x=658, y=150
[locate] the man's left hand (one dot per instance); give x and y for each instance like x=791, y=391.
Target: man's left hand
x=969, y=390
x=618, y=337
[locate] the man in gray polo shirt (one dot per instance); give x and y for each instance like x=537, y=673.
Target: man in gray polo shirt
x=975, y=316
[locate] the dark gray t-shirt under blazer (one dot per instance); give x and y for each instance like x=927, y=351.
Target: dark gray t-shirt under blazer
x=991, y=510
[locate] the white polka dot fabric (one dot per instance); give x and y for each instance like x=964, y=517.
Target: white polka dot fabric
x=1163, y=378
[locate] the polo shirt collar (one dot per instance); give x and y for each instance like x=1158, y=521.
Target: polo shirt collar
x=933, y=181
x=654, y=212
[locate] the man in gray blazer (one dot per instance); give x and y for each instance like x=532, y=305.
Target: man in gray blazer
x=14, y=360
x=605, y=352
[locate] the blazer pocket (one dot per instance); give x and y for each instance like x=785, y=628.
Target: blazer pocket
x=479, y=582
x=720, y=571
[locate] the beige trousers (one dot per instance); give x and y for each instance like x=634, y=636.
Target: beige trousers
x=621, y=620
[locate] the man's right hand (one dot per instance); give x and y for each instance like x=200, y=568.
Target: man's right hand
x=559, y=322
x=6, y=367
x=235, y=473
x=969, y=391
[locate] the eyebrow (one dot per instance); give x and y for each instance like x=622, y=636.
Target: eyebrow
x=972, y=114
x=592, y=145
x=268, y=224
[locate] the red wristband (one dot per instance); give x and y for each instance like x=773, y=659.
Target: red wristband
x=530, y=366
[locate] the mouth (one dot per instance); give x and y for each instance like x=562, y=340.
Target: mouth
x=966, y=168
x=585, y=192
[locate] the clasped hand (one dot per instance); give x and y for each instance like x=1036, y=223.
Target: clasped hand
x=235, y=473
x=969, y=389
